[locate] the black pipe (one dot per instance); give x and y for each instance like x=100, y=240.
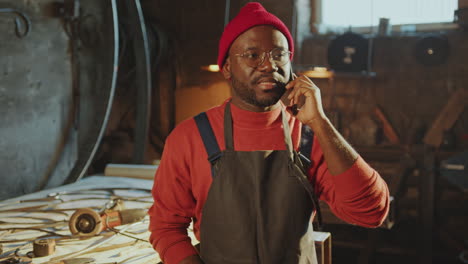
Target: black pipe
x=81, y=166
x=143, y=81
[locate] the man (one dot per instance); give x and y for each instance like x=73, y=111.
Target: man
x=251, y=202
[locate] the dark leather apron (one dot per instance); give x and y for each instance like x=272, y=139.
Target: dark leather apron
x=257, y=209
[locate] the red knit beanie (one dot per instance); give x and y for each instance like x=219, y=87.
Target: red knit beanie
x=252, y=14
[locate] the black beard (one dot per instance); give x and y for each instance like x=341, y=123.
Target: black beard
x=248, y=95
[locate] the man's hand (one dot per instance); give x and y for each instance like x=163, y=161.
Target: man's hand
x=195, y=259
x=339, y=155
x=310, y=108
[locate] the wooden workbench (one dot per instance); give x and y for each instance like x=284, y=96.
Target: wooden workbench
x=45, y=215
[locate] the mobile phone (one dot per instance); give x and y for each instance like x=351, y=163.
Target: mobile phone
x=284, y=98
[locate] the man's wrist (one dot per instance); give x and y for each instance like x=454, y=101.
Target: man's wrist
x=318, y=124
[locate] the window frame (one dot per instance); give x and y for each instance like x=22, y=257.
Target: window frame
x=320, y=28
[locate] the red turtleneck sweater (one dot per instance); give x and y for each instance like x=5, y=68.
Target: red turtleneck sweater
x=358, y=195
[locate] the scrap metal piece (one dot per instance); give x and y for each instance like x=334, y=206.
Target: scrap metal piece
x=85, y=222
x=43, y=247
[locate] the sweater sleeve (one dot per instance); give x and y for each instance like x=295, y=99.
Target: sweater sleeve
x=358, y=196
x=173, y=207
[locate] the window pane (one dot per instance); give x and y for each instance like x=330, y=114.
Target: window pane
x=367, y=12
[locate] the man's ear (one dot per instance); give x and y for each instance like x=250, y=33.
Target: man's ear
x=227, y=69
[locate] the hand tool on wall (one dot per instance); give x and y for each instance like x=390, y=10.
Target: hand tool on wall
x=432, y=50
x=350, y=52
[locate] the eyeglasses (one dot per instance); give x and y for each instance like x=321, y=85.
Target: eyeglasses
x=254, y=58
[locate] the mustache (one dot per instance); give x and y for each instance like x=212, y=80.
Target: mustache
x=279, y=83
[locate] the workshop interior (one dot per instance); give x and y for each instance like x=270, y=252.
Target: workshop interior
x=90, y=90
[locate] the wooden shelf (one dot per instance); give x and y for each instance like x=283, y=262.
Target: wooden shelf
x=354, y=74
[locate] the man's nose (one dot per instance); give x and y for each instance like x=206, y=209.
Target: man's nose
x=267, y=64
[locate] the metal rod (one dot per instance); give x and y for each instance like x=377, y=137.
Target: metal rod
x=227, y=12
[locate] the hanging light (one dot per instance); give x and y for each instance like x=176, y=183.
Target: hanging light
x=211, y=68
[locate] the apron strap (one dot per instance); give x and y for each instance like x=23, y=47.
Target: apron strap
x=228, y=127
x=214, y=152
x=286, y=130
x=305, y=151
x=228, y=138
x=305, y=148
x=209, y=139
x=287, y=133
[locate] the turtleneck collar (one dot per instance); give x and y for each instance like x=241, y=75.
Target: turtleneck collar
x=255, y=120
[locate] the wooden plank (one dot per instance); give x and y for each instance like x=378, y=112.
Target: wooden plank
x=388, y=129
x=446, y=118
x=427, y=206
x=131, y=171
